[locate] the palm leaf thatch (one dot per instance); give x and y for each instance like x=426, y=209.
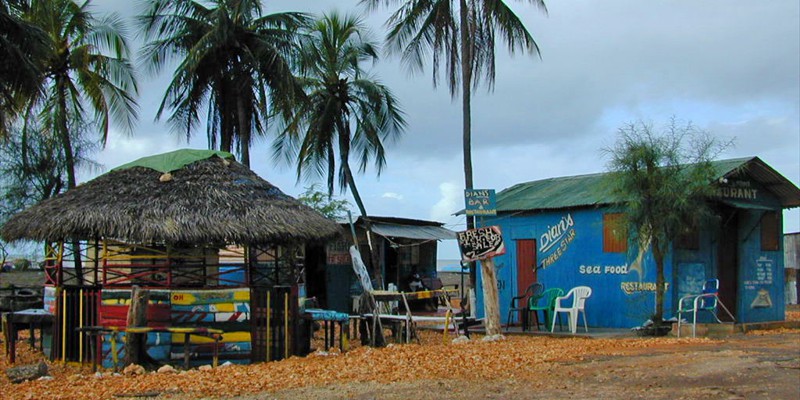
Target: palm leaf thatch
x=213, y=200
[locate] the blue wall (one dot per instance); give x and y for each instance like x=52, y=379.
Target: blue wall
x=761, y=281
x=623, y=292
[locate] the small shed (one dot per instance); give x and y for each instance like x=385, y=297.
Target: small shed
x=400, y=246
x=561, y=232
x=217, y=247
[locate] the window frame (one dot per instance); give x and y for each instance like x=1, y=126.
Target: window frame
x=771, y=236
x=614, y=241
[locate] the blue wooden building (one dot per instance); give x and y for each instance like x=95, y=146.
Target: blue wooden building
x=562, y=232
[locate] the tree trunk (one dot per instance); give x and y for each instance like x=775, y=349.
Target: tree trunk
x=658, y=255
x=344, y=153
x=244, y=130
x=226, y=125
x=135, y=343
x=466, y=112
x=491, y=301
x=69, y=159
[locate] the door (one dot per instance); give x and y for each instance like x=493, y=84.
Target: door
x=526, y=264
x=728, y=260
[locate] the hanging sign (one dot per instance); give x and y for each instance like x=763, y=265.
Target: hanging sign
x=480, y=243
x=480, y=202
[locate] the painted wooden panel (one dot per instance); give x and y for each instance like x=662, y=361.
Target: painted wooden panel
x=526, y=264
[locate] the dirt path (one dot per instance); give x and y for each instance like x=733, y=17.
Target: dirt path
x=763, y=366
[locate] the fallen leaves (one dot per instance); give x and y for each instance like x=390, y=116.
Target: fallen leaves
x=523, y=358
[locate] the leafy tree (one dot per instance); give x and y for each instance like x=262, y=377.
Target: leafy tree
x=22, y=49
x=345, y=108
x=460, y=34
x=234, y=60
x=43, y=173
x=662, y=180
x=328, y=206
x=85, y=69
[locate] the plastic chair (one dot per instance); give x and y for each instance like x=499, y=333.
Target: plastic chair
x=707, y=301
x=545, y=304
x=579, y=294
x=518, y=306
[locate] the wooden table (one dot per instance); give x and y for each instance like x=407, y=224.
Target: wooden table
x=12, y=321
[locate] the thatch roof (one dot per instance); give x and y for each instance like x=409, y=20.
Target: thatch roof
x=212, y=200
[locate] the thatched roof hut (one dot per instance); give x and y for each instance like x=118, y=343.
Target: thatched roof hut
x=186, y=196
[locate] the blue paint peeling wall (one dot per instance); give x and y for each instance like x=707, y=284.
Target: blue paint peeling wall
x=623, y=294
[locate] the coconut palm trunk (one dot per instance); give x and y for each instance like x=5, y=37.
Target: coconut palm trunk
x=466, y=106
x=244, y=129
x=69, y=161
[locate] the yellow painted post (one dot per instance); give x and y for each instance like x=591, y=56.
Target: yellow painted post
x=114, y=355
x=80, y=324
x=286, y=325
x=269, y=334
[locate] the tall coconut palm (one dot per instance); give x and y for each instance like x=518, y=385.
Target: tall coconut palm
x=346, y=110
x=232, y=59
x=22, y=48
x=86, y=70
x=460, y=34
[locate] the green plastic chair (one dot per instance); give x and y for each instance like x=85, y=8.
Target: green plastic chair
x=546, y=303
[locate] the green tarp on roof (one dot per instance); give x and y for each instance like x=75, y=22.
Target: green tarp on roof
x=174, y=160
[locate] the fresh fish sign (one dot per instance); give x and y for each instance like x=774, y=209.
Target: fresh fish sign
x=480, y=243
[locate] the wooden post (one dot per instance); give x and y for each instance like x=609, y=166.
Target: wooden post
x=135, y=343
x=491, y=302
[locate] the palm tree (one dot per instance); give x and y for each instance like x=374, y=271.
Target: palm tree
x=86, y=68
x=345, y=108
x=233, y=59
x=22, y=48
x=461, y=34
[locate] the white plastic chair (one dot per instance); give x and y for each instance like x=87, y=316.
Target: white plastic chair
x=579, y=295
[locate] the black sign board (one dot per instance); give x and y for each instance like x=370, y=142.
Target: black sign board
x=480, y=243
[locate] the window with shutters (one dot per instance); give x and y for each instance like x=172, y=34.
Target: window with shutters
x=615, y=233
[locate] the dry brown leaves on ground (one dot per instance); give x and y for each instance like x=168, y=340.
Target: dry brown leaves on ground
x=515, y=357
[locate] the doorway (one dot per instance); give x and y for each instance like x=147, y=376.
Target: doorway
x=526, y=264
x=728, y=259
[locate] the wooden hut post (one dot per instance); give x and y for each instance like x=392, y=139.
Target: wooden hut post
x=490, y=296
x=135, y=343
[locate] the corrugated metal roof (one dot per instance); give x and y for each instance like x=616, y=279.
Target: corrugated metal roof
x=591, y=190
x=419, y=232
x=787, y=192
x=554, y=193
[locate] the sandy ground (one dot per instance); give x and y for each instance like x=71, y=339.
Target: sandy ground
x=744, y=367
x=757, y=365
x=764, y=365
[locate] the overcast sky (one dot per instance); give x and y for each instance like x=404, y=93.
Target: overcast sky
x=732, y=67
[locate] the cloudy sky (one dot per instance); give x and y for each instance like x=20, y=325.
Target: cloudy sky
x=732, y=67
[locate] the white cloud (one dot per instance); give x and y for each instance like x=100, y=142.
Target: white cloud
x=392, y=195
x=450, y=201
x=728, y=66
